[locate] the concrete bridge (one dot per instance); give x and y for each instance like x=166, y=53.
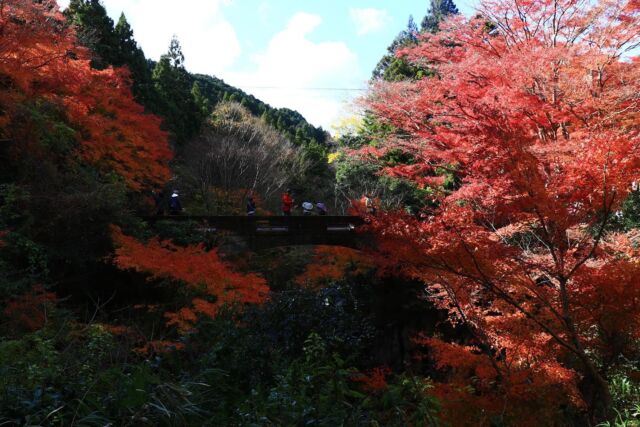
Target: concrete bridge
x=263, y=232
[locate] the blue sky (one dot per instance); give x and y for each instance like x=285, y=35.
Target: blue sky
x=281, y=51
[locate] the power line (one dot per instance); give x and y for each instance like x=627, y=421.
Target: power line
x=343, y=89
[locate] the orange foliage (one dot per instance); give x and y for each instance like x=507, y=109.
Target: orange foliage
x=375, y=380
x=202, y=271
x=539, y=113
x=332, y=263
x=528, y=382
x=40, y=59
x=28, y=312
x=117, y=329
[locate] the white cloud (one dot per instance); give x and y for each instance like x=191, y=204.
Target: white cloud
x=209, y=42
x=369, y=20
x=292, y=68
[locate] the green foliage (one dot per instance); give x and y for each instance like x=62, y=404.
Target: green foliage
x=132, y=56
x=395, y=68
x=407, y=37
x=355, y=177
x=22, y=263
x=408, y=399
x=34, y=378
x=203, y=104
x=111, y=45
x=229, y=374
x=399, y=69
x=316, y=182
x=626, y=402
x=315, y=389
x=174, y=87
x=95, y=30
x=439, y=10
x=180, y=232
x=627, y=217
x=47, y=380
x=57, y=210
x=338, y=314
x=319, y=389
x=371, y=132
x=630, y=213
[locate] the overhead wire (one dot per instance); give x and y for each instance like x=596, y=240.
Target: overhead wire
x=344, y=89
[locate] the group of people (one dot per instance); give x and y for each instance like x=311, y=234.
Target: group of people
x=307, y=206
x=368, y=202
x=288, y=205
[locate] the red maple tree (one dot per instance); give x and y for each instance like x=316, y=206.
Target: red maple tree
x=535, y=107
x=202, y=271
x=41, y=60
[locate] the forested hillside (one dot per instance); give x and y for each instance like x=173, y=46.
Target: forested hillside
x=165, y=87
x=489, y=273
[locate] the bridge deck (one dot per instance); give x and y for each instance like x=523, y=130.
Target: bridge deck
x=270, y=224
x=261, y=232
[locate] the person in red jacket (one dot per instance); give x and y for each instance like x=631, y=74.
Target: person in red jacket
x=287, y=203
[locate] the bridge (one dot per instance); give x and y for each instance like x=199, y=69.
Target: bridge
x=263, y=232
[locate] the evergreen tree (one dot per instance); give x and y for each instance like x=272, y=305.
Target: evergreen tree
x=203, y=104
x=440, y=10
x=300, y=136
x=392, y=68
x=111, y=46
x=177, y=103
x=94, y=29
x=175, y=55
x=406, y=37
x=130, y=55
x=124, y=34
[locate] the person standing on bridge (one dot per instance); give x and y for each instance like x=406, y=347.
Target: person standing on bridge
x=322, y=209
x=175, y=207
x=370, y=204
x=251, y=206
x=307, y=208
x=287, y=203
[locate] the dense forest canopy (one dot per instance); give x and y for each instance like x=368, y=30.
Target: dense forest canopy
x=496, y=279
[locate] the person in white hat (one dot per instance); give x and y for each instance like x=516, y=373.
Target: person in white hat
x=174, y=203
